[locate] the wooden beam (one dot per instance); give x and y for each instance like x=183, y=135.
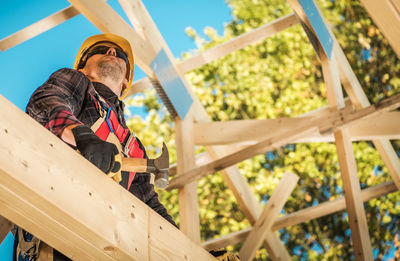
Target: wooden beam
x=107, y=20
x=386, y=15
x=239, y=42
x=354, y=205
x=188, y=199
x=355, y=208
x=307, y=214
x=218, y=51
x=54, y=193
x=333, y=122
x=37, y=28
x=247, y=132
x=267, y=217
x=5, y=228
x=360, y=100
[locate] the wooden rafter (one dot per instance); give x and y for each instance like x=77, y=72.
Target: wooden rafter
x=37, y=28
x=230, y=46
x=67, y=202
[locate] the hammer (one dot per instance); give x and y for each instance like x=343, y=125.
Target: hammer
x=159, y=167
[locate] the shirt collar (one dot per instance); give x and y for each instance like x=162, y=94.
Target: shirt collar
x=106, y=93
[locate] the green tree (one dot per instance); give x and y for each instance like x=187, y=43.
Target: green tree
x=281, y=77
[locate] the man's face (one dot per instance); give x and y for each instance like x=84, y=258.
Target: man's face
x=107, y=64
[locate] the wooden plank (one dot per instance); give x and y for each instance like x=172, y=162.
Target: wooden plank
x=307, y=214
x=66, y=201
x=188, y=199
x=247, y=132
x=241, y=131
x=355, y=208
x=238, y=42
x=358, y=222
x=267, y=217
x=107, y=20
x=360, y=100
x=335, y=121
x=385, y=14
x=165, y=241
x=37, y=28
x=5, y=228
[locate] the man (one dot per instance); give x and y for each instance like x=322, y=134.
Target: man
x=83, y=107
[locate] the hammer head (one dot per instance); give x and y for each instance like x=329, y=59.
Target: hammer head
x=162, y=165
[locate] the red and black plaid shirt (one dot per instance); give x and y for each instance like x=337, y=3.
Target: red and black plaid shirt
x=68, y=97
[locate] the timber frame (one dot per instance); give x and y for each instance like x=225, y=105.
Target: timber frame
x=135, y=232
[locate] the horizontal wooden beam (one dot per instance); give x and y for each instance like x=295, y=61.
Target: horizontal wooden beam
x=53, y=192
x=245, y=132
x=5, y=228
x=325, y=125
x=37, y=28
x=239, y=42
x=307, y=214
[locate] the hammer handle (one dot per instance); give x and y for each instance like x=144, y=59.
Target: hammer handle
x=134, y=164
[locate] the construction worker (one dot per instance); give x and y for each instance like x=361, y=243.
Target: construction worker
x=83, y=106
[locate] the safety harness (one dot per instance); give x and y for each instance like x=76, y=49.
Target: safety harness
x=108, y=128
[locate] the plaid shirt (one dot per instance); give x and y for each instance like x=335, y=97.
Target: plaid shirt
x=68, y=97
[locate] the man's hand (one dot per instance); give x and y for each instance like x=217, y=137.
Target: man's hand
x=100, y=153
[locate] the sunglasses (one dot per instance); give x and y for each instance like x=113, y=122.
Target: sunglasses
x=102, y=49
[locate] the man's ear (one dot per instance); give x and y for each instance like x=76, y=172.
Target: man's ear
x=124, y=86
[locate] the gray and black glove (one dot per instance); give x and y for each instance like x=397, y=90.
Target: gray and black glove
x=100, y=153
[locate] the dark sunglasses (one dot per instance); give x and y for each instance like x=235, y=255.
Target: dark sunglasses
x=102, y=49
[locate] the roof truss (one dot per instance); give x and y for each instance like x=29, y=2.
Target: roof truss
x=147, y=42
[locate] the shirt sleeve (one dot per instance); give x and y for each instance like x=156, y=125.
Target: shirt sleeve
x=59, y=100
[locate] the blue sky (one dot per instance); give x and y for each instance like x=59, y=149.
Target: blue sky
x=26, y=66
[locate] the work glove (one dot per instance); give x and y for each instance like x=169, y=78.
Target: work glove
x=100, y=153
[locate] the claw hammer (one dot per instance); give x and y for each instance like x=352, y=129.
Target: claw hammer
x=158, y=166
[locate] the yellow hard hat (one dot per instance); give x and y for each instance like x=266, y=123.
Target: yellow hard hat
x=116, y=39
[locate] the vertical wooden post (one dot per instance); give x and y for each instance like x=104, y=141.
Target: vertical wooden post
x=188, y=203
x=354, y=204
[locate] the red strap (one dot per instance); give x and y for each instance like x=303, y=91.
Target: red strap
x=134, y=150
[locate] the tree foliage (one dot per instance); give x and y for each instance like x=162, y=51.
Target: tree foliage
x=281, y=77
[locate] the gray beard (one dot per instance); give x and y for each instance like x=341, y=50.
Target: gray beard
x=110, y=69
